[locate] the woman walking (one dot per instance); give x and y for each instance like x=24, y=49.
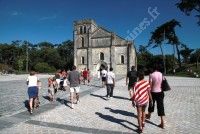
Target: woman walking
x=155, y=80
x=32, y=82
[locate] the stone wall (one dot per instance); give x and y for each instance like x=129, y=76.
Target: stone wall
x=120, y=51
x=96, y=55
x=81, y=53
x=78, y=40
x=100, y=42
x=121, y=69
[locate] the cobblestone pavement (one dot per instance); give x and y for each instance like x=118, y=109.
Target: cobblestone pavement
x=14, y=97
x=96, y=114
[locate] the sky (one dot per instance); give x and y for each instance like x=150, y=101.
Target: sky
x=52, y=20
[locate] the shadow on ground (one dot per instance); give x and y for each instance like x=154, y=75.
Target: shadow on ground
x=46, y=97
x=126, y=113
x=26, y=104
x=122, y=112
x=96, y=95
x=119, y=97
x=63, y=101
x=118, y=121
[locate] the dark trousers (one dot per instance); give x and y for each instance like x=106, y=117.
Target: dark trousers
x=159, y=99
x=110, y=88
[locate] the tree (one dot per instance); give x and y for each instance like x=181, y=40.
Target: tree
x=185, y=53
x=189, y=6
x=66, y=51
x=144, y=58
x=45, y=45
x=166, y=32
x=195, y=57
x=44, y=67
x=22, y=55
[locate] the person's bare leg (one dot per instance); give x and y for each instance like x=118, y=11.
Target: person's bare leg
x=77, y=97
x=53, y=97
x=139, y=115
x=35, y=102
x=161, y=122
x=72, y=99
x=31, y=104
x=143, y=116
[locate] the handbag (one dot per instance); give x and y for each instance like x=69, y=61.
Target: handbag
x=165, y=85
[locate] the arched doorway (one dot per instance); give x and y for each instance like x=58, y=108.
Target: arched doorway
x=101, y=65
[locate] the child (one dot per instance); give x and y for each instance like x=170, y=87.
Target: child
x=140, y=98
x=36, y=100
x=51, y=90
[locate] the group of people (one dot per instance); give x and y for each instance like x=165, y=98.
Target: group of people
x=62, y=80
x=142, y=92
x=146, y=92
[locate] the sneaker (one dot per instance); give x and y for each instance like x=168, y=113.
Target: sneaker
x=31, y=111
x=72, y=106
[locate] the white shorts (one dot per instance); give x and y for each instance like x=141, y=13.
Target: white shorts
x=58, y=81
x=74, y=89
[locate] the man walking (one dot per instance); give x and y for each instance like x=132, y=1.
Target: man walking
x=110, y=83
x=131, y=79
x=74, y=80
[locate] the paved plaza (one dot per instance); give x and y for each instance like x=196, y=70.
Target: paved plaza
x=96, y=114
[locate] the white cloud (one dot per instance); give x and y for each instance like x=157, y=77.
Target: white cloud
x=15, y=13
x=48, y=18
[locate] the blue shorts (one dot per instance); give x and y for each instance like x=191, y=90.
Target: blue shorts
x=32, y=92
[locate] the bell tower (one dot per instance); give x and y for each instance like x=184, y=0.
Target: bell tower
x=82, y=43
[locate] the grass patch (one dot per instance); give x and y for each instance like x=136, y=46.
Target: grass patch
x=188, y=70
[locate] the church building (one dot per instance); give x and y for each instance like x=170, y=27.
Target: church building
x=96, y=48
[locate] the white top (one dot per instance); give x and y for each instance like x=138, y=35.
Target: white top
x=66, y=82
x=32, y=81
x=110, y=77
x=104, y=72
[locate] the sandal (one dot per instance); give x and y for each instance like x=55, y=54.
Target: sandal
x=140, y=130
x=161, y=126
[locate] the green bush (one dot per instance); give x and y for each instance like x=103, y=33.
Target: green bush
x=44, y=67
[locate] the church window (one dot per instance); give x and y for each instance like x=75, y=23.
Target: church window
x=81, y=29
x=84, y=29
x=82, y=41
x=101, y=56
x=82, y=60
x=122, y=59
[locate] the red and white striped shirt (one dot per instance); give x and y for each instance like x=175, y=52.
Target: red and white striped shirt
x=140, y=95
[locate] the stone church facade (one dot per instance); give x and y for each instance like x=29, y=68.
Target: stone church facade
x=96, y=47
